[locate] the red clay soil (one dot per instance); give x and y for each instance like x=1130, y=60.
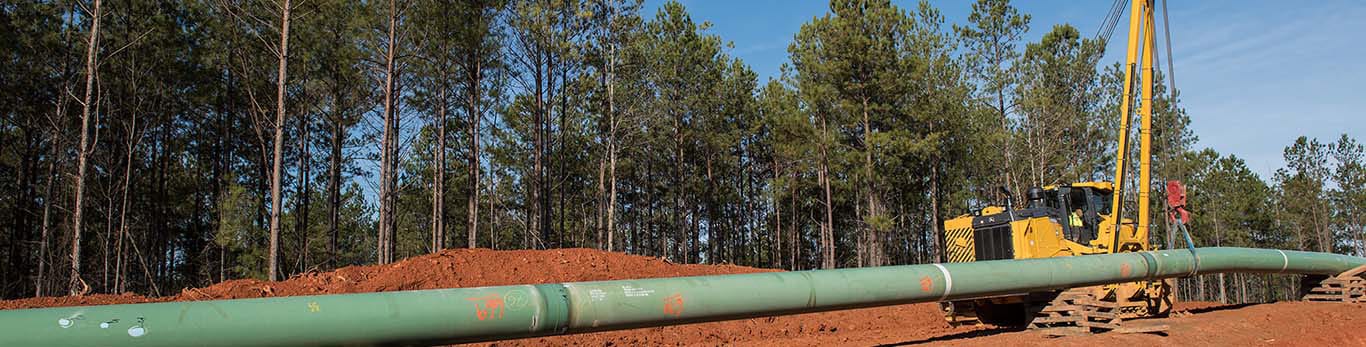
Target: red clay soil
x=1288, y=323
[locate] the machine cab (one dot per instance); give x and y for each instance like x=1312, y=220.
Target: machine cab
x=1079, y=208
x=1054, y=220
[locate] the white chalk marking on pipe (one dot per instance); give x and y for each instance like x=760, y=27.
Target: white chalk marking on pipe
x=948, y=281
x=1285, y=265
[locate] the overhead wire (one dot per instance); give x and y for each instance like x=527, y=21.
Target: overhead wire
x=1107, y=27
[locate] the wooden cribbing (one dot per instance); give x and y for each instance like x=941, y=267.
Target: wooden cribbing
x=1349, y=287
x=1078, y=311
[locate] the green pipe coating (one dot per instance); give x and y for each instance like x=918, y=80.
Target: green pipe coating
x=427, y=317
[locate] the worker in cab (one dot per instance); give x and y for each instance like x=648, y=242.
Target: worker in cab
x=1075, y=218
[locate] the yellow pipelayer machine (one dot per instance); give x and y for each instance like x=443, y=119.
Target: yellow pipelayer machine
x=1048, y=225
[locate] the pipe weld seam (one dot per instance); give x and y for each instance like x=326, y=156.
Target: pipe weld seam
x=1195, y=269
x=1286, y=260
x=1151, y=263
x=565, y=292
x=948, y=281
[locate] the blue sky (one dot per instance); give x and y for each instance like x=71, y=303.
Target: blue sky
x=1254, y=75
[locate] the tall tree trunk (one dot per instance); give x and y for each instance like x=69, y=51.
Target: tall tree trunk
x=45, y=232
x=493, y=213
x=305, y=189
x=105, y=239
x=1242, y=286
x=777, y=218
x=475, y=115
x=827, y=230
x=678, y=188
x=861, y=240
x=872, y=237
x=334, y=188
x=611, y=149
x=793, y=247
x=123, y=210
x=388, y=153
x=1218, y=241
x=1200, y=289
x=600, y=205
x=600, y=196
x=535, y=224
x=275, y=172
x=82, y=152
x=559, y=151
x=714, y=237
x=661, y=243
x=936, y=225
x=543, y=178
x=216, y=176
x=161, y=241
x=55, y=143
x=334, y=166
x=1323, y=225
x=21, y=212
x=694, y=254
x=439, y=178
x=1010, y=174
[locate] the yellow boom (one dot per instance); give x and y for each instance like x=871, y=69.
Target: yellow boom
x=1140, y=33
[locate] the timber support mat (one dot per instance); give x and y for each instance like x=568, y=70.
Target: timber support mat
x=1349, y=287
x=1078, y=311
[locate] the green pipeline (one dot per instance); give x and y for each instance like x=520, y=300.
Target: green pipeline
x=427, y=317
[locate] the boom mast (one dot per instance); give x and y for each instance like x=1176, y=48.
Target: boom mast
x=1141, y=46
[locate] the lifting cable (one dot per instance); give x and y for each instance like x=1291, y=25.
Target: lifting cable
x=1171, y=71
x=1107, y=27
x=1171, y=104
x=1105, y=32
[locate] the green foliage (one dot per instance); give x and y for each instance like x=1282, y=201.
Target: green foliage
x=592, y=116
x=1349, y=199
x=994, y=30
x=1061, y=126
x=240, y=234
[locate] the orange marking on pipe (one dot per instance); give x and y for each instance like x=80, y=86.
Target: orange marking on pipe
x=488, y=306
x=673, y=305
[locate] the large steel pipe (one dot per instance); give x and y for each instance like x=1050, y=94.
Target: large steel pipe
x=426, y=317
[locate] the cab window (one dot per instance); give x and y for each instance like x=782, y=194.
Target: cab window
x=1077, y=200
x=1100, y=201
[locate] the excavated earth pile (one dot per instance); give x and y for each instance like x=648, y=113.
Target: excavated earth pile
x=1286, y=323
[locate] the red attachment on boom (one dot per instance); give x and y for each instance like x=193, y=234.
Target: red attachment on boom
x=1176, y=202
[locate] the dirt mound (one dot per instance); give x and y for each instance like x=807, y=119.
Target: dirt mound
x=1198, y=324
x=87, y=300
x=454, y=268
x=466, y=268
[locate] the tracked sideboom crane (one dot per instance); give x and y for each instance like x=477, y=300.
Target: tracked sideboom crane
x=1080, y=218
